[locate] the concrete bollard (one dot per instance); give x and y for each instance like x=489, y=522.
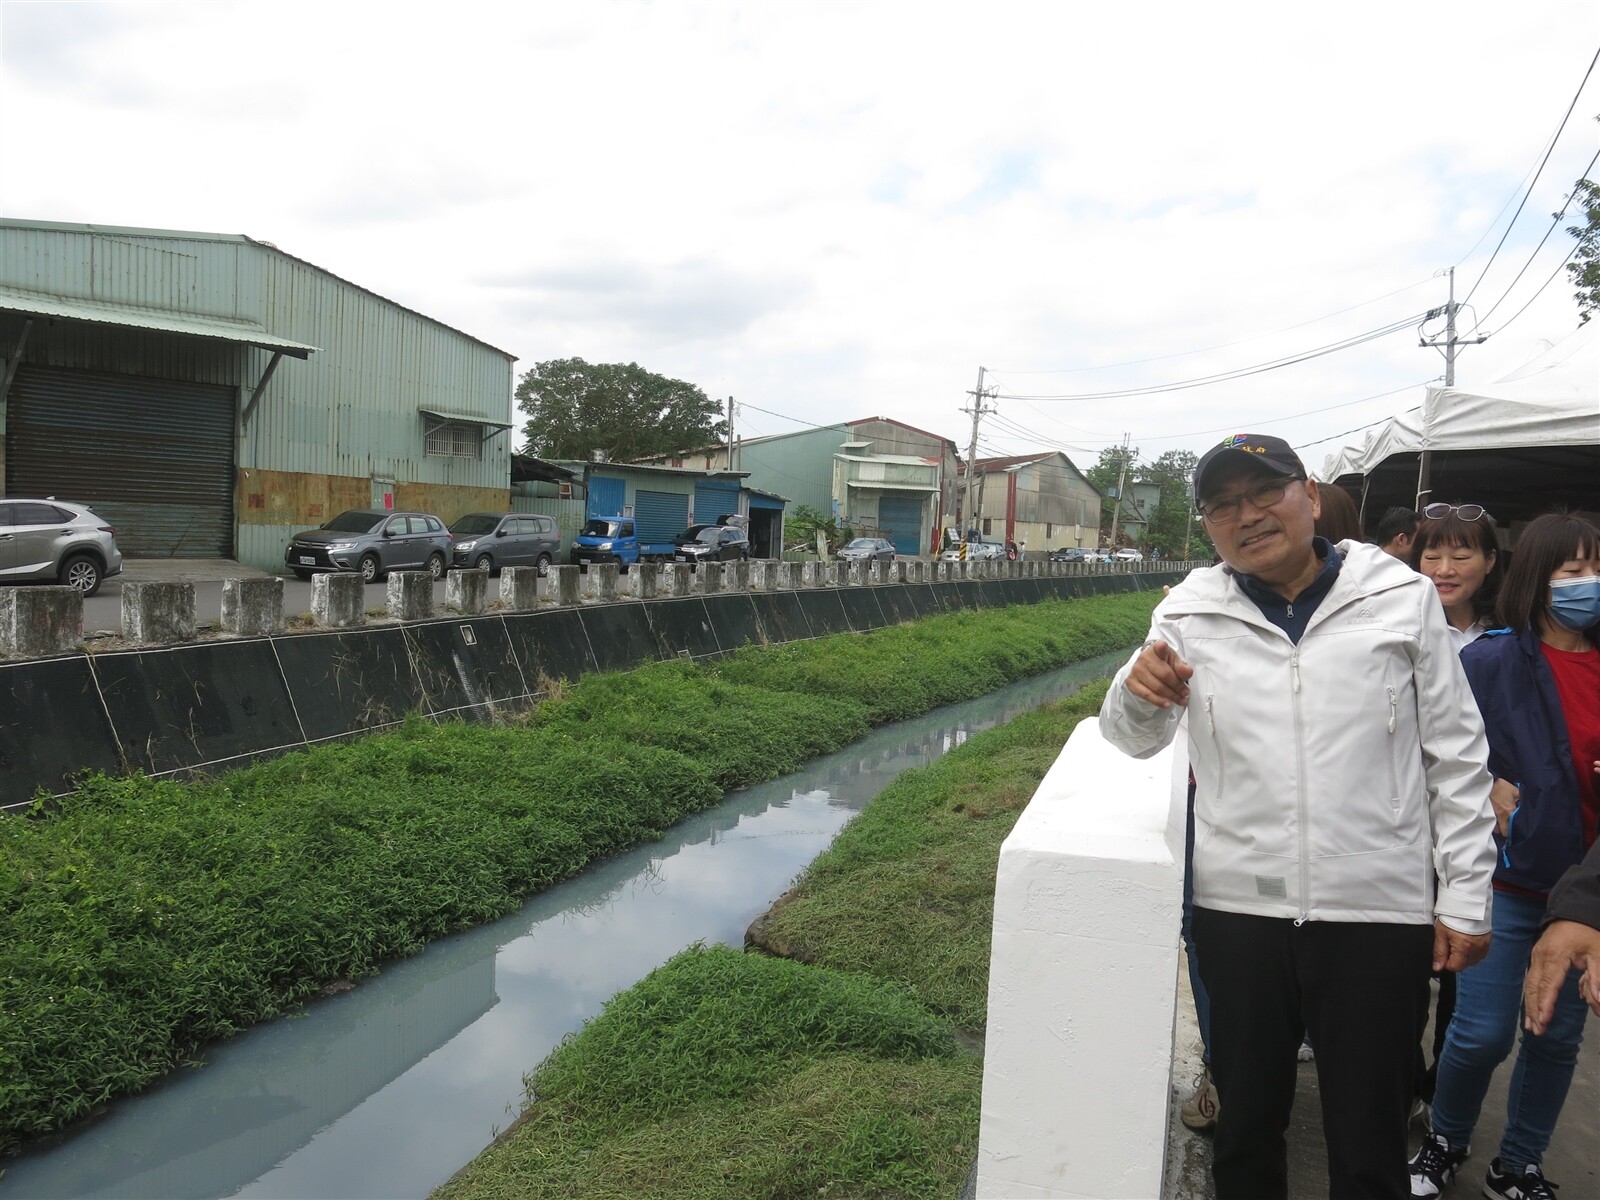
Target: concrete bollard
x=40, y=620
x=157, y=612
x=645, y=580
x=787, y=577
x=251, y=606
x=894, y=572
x=467, y=592
x=813, y=574
x=600, y=583
x=409, y=595
x=338, y=601
x=854, y=573
x=736, y=576
x=712, y=576
x=560, y=586
x=763, y=576
x=676, y=579
x=519, y=588
x=916, y=571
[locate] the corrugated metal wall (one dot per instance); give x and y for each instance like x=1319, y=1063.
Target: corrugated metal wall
x=348, y=414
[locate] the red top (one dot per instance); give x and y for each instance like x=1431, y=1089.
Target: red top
x=1578, y=684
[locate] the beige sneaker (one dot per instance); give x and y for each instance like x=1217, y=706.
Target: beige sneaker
x=1199, y=1111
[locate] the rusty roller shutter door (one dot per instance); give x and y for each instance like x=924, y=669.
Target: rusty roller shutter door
x=152, y=456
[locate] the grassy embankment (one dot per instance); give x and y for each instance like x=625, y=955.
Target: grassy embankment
x=148, y=917
x=728, y=1076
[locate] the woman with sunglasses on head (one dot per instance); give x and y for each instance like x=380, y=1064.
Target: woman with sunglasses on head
x=1537, y=684
x=1454, y=545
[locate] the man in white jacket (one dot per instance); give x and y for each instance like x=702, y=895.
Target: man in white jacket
x=1339, y=765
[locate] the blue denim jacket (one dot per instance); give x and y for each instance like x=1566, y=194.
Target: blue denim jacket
x=1528, y=746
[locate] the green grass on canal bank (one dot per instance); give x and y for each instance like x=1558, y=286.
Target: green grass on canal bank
x=148, y=917
x=728, y=1076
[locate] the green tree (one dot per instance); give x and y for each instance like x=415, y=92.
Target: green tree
x=1173, y=473
x=575, y=407
x=802, y=523
x=1104, y=475
x=1585, y=265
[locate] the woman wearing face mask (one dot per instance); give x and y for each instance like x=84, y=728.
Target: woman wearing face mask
x=1538, y=686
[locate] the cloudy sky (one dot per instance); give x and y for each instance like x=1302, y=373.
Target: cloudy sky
x=837, y=210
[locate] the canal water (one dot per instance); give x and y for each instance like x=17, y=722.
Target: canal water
x=386, y=1090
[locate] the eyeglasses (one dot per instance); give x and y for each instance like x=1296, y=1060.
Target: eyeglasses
x=1263, y=495
x=1467, y=512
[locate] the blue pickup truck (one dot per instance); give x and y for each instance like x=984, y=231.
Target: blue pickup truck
x=616, y=540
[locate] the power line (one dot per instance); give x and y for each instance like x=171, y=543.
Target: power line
x=1531, y=183
x=1223, y=346
x=1238, y=373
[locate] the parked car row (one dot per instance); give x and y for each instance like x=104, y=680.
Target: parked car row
x=371, y=542
x=1085, y=554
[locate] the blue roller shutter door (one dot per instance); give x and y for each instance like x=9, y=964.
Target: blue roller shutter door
x=714, y=498
x=900, y=520
x=660, y=516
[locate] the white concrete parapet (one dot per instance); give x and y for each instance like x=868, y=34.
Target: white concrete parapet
x=467, y=591
x=158, y=612
x=409, y=595
x=336, y=600
x=519, y=588
x=252, y=606
x=40, y=620
x=1082, y=979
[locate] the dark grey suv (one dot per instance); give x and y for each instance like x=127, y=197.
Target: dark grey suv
x=373, y=542
x=42, y=540
x=495, y=540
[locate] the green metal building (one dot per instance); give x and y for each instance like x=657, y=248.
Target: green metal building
x=210, y=394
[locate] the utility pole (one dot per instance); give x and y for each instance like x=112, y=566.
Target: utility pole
x=1116, y=504
x=730, y=433
x=1424, y=467
x=968, y=516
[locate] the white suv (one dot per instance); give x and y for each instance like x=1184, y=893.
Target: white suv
x=1130, y=554
x=56, y=540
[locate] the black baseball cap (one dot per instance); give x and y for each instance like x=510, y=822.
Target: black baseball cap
x=1264, y=450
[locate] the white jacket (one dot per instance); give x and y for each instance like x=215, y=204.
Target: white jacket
x=1336, y=777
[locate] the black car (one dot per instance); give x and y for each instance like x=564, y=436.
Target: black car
x=714, y=543
x=495, y=540
x=373, y=542
x=1072, y=554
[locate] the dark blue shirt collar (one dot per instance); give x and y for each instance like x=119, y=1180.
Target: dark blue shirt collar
x=1292, y=616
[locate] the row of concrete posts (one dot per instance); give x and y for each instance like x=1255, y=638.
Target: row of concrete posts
x=36, y=621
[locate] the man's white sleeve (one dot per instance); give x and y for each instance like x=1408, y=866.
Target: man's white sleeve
x=1135, y=726
x=1455, y=756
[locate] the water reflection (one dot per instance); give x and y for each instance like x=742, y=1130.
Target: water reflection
x=386, y=1090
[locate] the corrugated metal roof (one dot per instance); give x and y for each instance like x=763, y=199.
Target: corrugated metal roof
x=189, y=235
x=248, y=333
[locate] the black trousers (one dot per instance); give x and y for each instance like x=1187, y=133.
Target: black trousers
x=1361, y=992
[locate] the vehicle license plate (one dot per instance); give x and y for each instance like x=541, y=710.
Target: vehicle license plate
x=308, y=560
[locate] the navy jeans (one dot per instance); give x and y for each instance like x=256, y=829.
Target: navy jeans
x=1485, y=1024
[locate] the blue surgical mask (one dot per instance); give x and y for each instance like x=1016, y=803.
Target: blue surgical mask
x=1575, y=603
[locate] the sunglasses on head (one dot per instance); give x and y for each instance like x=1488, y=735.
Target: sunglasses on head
x=1467, y=512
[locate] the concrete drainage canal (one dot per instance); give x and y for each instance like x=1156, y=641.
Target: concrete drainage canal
x=387, y=1090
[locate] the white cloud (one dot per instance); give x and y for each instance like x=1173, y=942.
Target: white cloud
x=836, y=210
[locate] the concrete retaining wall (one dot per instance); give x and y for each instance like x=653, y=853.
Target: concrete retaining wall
x=1077, y=1066
x=199, y=705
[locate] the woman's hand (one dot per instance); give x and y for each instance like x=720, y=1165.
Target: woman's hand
x=1504, y=796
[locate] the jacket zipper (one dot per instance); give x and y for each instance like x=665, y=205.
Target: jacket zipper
x=1300, y=786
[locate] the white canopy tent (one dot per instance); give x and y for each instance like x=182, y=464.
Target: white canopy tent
x=1518, y=446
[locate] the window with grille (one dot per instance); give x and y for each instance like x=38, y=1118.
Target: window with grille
x=455, y=439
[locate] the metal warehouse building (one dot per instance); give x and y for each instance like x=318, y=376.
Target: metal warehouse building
x=209, y=394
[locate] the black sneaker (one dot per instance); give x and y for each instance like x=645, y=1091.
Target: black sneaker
x=1500, y=1184
x=1434, y=1165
